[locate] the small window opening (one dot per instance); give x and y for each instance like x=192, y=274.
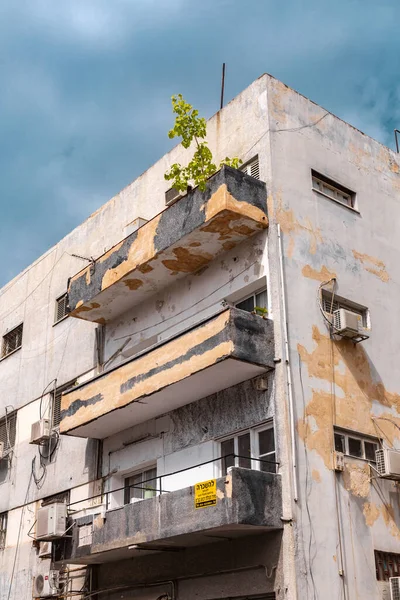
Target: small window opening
x=387, y=565
x=332, y=190
x=8, y=429
x=252, y=168
x=3, y=530
x=12, y=341
x=331, y=303
x=61, y=310
x=56, y=403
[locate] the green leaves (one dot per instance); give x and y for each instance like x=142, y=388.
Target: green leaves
x=190, y=127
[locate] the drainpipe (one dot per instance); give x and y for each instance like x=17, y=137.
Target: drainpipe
x=288, y=368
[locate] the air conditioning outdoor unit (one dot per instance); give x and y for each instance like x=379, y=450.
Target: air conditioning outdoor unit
x=40, y=431
x=338, y=461
x=51, y=521
x=394, y=583
x=349, y=324
x=2, y=451
x=384, y=590
x=388, y=464
x=171, y=196
x=45, y=586
x=45, y=550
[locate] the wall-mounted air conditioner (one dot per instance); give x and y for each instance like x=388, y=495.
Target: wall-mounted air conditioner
x=394, y=583
x=338, y=461
x=388, y=464
x=349, y=324
x=46, y=586
x=171, y=196
x=40, y=431
x=45, y=550
x=51, y=521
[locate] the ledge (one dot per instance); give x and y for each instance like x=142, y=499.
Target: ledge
x=248, y=503
x=219, y=353
x=182, y=239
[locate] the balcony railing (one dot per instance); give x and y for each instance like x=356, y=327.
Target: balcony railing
x=181, y=240
x=221, y=352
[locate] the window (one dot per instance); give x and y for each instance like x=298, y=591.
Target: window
x=3, y=530
x=56, y=404
x=252, y=168
x=357, y=446
x=141, y=486
x=243, y=450
x=60, y=497
x=331, y=302
x=332, y=190
x=387, y=565
x=8, y=430
x=12, y=341
x=61, y=308
x=257, y=300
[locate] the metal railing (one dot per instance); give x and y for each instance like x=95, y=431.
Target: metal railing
x=159, y=490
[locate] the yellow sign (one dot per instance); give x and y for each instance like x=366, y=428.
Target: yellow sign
x=205, y=493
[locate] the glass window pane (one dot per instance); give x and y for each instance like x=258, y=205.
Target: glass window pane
x=355, y=447
x=227, y=451
x=149, y=483
x=266, y=441
x=246, y=304
x=262, y=299
x=370, y=448
x=339, y=443
x=268, y=467
x=244, y=450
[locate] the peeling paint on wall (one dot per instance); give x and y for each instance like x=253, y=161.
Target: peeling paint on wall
x=322, y=275
x=373, y=265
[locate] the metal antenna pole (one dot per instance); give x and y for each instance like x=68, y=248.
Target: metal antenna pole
x=222, y=85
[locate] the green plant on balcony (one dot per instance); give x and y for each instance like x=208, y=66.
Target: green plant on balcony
x=261, y=311
x=190, y=127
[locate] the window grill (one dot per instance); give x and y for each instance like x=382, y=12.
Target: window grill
x=252, y=168
x=3, y=530
x=8, y=430
x=332, y=190
x=387, y=565
x=61, y=308
x=56, y=407
x=12, y=341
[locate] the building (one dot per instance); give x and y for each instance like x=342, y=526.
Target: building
x=161, y=377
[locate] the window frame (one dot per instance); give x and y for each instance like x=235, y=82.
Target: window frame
x=12, y=433
x=248, y=166
x=55, y=394
x=336, y=187
x=62, y=296
x=340, y=302
x=3, y=530
x=390, y=558
x=5, y=354
x=254, y=432
x=359, y=437
x=253, y=295
x=136, y=473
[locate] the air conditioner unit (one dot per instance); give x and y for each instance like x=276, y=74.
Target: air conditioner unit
x=384, y=590
x=171, y=196
x=2, y=451
x=338, y=461
x=349, y=324
x=40, y=431
x=45, y=586
x=45, y=550
x=388, y=463
x=394, y=583
x=51, y=521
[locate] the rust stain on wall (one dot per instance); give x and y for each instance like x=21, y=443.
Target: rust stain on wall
x=186, y=262
x=133, y=284
x=195, y=244
x=346, y=367
x=146, y=268
x=322, y=275
x=373, y=265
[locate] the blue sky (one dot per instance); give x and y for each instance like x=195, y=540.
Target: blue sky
x=86, y=86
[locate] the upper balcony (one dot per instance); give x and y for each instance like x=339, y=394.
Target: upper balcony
x=248, y=502
x=216, y=354
x=180, y=240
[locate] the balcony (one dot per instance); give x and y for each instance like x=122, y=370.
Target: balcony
x=221, y=352
x=248, y=503
x=180, y=240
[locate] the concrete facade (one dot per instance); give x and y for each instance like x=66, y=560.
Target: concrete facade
x=316, y=383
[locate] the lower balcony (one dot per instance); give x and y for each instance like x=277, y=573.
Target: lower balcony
x=247, y=502
x=223, y=351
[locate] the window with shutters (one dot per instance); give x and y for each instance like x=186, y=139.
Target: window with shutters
x=387, y=565
x=61, y=310
x=56, y=405
x=331, y=302
x=8, y=428
x=3, y=530
x=252, y=168
x=12, y=341
x=332, y=190
x=250, y=449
